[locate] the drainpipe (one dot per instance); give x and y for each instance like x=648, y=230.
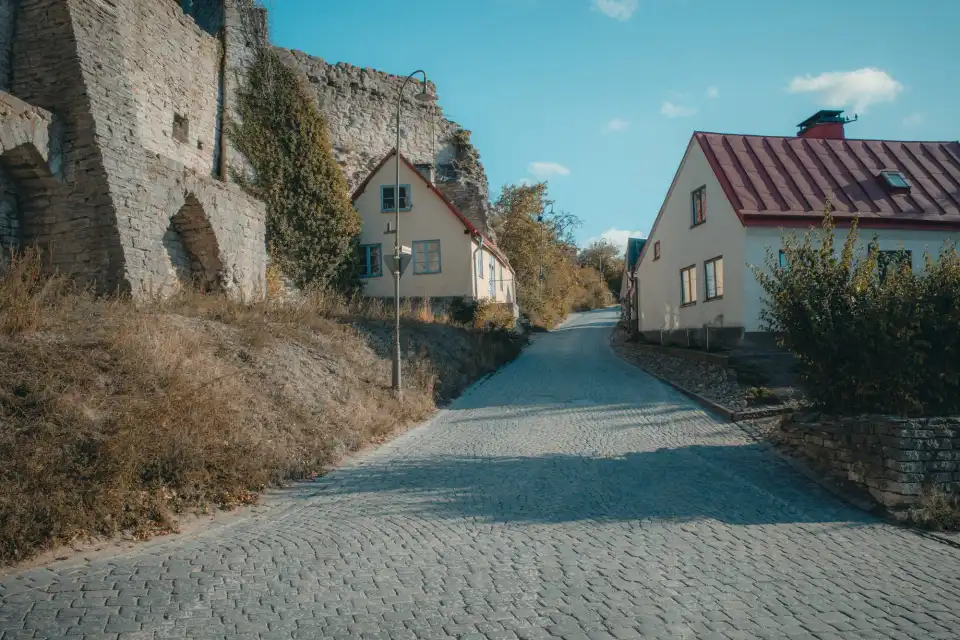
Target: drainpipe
x=476, y=278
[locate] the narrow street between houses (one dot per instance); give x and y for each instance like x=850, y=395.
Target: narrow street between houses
x=568, y=496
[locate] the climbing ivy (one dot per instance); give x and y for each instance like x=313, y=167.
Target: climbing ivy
x=312, y=227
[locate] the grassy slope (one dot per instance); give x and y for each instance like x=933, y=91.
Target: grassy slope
x=116, y=416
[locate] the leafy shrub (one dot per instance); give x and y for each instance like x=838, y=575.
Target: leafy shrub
x=312, y=226
x=870, y=336
x=494, y=315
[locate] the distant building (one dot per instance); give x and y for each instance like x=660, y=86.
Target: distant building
x=634, y=247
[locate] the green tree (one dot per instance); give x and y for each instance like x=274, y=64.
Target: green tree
x=312, y=227
x=870, y=333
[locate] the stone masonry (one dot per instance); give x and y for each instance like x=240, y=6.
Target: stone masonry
x=892, y=458
x=115, y=160
x=136, y=201
x=360, y=107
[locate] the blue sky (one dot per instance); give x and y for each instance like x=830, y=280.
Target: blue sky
x=601, y=96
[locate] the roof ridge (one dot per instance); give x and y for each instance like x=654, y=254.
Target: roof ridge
x=762, y=135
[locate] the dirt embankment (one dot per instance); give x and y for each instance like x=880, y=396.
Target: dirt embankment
x=116, y=416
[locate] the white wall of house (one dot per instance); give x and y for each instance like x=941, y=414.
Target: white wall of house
x=428, y=219
x=682, y=245
x=758, y=239
x=504, y=281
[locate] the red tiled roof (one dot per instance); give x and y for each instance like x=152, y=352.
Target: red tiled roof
x=772, y=180
x=489, y=244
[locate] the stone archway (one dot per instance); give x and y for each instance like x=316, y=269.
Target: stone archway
x=192, y=248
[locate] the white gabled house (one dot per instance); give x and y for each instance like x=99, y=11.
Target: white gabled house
x=451, y=257
x=734, y=196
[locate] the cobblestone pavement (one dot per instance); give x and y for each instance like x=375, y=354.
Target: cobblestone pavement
x=568, y=496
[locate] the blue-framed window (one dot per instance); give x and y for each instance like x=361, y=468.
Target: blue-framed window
x=371, y=261
x=426, y=256
x=388, y=202
x=784, y=263
x=480, y=262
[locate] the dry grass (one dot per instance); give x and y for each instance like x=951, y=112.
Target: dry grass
x=116, y=415
x=936, y=510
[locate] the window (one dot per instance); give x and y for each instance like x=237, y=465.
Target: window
x=387, y=201
x=688, y=285
x=370, y=261
x=181, y=128
x=895, y=180
x=426, y=256
x=480, y=262
x=713, y=278
x=784, y=263
x=656, y=250
x=493, y=277
x=698, y=206
x=891, y=260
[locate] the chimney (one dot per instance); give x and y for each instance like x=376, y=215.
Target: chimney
x=426, y=170
x=826, y=125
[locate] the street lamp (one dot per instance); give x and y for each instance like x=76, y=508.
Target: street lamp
x=423, y=96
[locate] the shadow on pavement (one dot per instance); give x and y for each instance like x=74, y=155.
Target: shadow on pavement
x=741, y=485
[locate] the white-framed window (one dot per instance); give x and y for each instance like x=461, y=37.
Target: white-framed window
x=713, y=278
x=370, y=261
x=388, y=202
x=688, y=285
x=426, y=256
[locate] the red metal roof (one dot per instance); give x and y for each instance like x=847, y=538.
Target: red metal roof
x=489, y=244
x=779, y=181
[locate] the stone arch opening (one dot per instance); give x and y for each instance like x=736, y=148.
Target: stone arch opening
x=192, y=248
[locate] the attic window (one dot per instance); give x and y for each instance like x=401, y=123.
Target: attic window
x=895, y=180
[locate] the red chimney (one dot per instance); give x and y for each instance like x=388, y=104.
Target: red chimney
x=826, y=125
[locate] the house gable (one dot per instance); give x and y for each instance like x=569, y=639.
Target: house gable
x=682, y=245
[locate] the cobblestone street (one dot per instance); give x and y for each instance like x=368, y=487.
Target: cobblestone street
x=567, y=496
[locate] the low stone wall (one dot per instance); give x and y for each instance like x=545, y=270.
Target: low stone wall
x=892, y=458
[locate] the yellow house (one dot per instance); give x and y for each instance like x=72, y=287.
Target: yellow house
x=451, y=257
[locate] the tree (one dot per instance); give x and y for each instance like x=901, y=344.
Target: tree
x=312, y=227
x=607, y=259
x=533, y=239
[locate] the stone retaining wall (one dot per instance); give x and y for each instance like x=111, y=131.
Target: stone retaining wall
x=892, y=458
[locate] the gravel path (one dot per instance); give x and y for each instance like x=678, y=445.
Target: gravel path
x=568, y=496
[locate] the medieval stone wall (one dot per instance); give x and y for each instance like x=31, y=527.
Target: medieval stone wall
x=174, y=67
x=9, y=208
x=360, y=107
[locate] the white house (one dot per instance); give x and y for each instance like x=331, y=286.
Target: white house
x=734, y=196
x=451, y=257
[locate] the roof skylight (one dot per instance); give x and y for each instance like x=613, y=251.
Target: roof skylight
x=895, y=180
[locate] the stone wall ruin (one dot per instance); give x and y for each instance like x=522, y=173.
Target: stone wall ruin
x=113, y=155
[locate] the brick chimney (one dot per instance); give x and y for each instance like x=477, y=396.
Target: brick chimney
x=826, y=125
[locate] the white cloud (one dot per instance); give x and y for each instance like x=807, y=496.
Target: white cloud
x=676, y=110
x=713, y=92
x=913, y=120
x=617, y=237
x=617, y=124
x=856, y=89
x=546, y=170
x=616, y=9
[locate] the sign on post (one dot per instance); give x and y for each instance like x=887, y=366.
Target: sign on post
x=406, y=254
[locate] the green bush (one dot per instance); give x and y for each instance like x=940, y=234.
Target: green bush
x=870, y=336
x=312, y=227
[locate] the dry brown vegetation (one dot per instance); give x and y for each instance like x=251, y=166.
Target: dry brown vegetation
x=117, y=415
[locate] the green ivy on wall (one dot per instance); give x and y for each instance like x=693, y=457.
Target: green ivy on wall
x=312, y=227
